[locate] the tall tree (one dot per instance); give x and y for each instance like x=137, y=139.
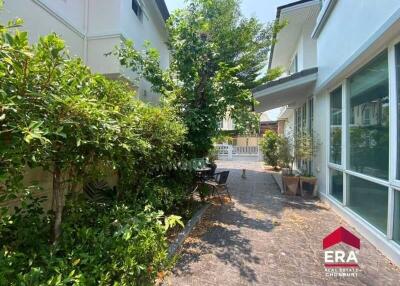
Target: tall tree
x=218, y=56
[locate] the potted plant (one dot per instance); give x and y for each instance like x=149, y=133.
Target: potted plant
x=306, y=146
x=290, y=182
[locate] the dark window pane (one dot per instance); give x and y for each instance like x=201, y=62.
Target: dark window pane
x=396, y=226
x=337, y=185
x=136, y=8
x=336, y=126
x=369, y=119
x=370, y=201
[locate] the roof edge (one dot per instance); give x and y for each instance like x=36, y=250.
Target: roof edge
x=162, y=6
x=277, y=18
x=323, y=18
x=285, y=79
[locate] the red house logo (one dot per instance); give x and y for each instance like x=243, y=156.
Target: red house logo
x=340, y=258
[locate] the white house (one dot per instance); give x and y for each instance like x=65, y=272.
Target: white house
x=342, y=81
x=92, y=28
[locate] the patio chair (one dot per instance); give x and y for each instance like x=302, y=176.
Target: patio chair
x=211, y=174
x=219, y=183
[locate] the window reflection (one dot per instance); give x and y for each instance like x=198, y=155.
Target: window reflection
x=336, y=126
x=369, y=119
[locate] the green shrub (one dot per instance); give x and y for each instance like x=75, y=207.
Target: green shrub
x=101, y=245
x=57, y=115
x=270, y=147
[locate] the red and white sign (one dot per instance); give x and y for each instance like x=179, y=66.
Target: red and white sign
x=341, y=261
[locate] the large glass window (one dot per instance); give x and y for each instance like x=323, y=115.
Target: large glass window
x=336, y=185
x=370, y=201
x=369, y=119
x=336, y=126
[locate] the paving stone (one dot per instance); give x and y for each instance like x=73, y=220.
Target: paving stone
x=266, y=238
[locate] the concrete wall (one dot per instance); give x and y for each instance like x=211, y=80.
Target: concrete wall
x=306, y=48
x=72, y=11
x=339, y=39
x=104, y=17
x=39, y=21
x=247, y=141
x=96, y=59
x=309, y=46
x=321, y=115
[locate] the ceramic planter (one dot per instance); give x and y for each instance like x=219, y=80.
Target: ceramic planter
x=312, y=190
x=290, y=184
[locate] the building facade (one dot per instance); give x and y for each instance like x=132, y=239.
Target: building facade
x=93, y=28
x=342, y=82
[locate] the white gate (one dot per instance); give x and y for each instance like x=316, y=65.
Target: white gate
x=229, y=152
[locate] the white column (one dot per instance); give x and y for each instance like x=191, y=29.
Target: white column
x=230, y=149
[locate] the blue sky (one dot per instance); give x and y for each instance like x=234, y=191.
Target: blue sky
x=264, y=10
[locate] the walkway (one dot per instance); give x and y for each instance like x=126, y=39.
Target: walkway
x=264, y=238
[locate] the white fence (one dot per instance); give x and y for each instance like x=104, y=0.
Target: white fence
x=230, y=152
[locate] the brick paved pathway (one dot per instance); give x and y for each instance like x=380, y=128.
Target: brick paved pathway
x=265, y=238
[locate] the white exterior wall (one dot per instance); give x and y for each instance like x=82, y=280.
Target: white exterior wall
x=321, y=116
x=306, y=49
x=348, y=27
x=289, y=124
x=93, y=34
x=38, y=21
x=309, y=47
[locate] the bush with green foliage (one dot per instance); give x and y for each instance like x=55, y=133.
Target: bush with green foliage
x=270, y=144
x=58, y=116
x=102, y=244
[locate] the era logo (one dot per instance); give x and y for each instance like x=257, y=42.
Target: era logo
x=340, y=258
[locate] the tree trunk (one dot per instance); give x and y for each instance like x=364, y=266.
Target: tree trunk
x=58, y=203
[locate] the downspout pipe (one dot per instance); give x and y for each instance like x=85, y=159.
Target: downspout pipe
x=85, y=32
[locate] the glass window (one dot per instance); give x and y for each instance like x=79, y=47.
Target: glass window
x=396, y=226
x=297, y=121
x=398, y=107
x=311, y=115
x=336, y=185
x=369, y=119
x=294, y=65
x=336, y=126
x=370, y=201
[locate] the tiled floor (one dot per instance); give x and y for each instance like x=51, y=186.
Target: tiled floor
x=265, y=238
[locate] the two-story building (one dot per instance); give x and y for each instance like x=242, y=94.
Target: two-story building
x=342, y=82
x=93, y=28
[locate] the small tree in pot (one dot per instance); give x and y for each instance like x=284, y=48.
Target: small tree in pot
x=306, y=147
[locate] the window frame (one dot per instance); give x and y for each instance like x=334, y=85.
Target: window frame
x=139, y=12
x=335, y=165
x=392, y=183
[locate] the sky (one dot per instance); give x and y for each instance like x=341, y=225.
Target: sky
x=264, y=10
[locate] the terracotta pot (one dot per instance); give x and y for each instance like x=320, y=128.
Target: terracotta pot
x=290, y=185
x=307, y=193
x=285, y=171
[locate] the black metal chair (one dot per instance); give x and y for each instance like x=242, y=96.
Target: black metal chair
x=219, y=183
x=210, y=175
